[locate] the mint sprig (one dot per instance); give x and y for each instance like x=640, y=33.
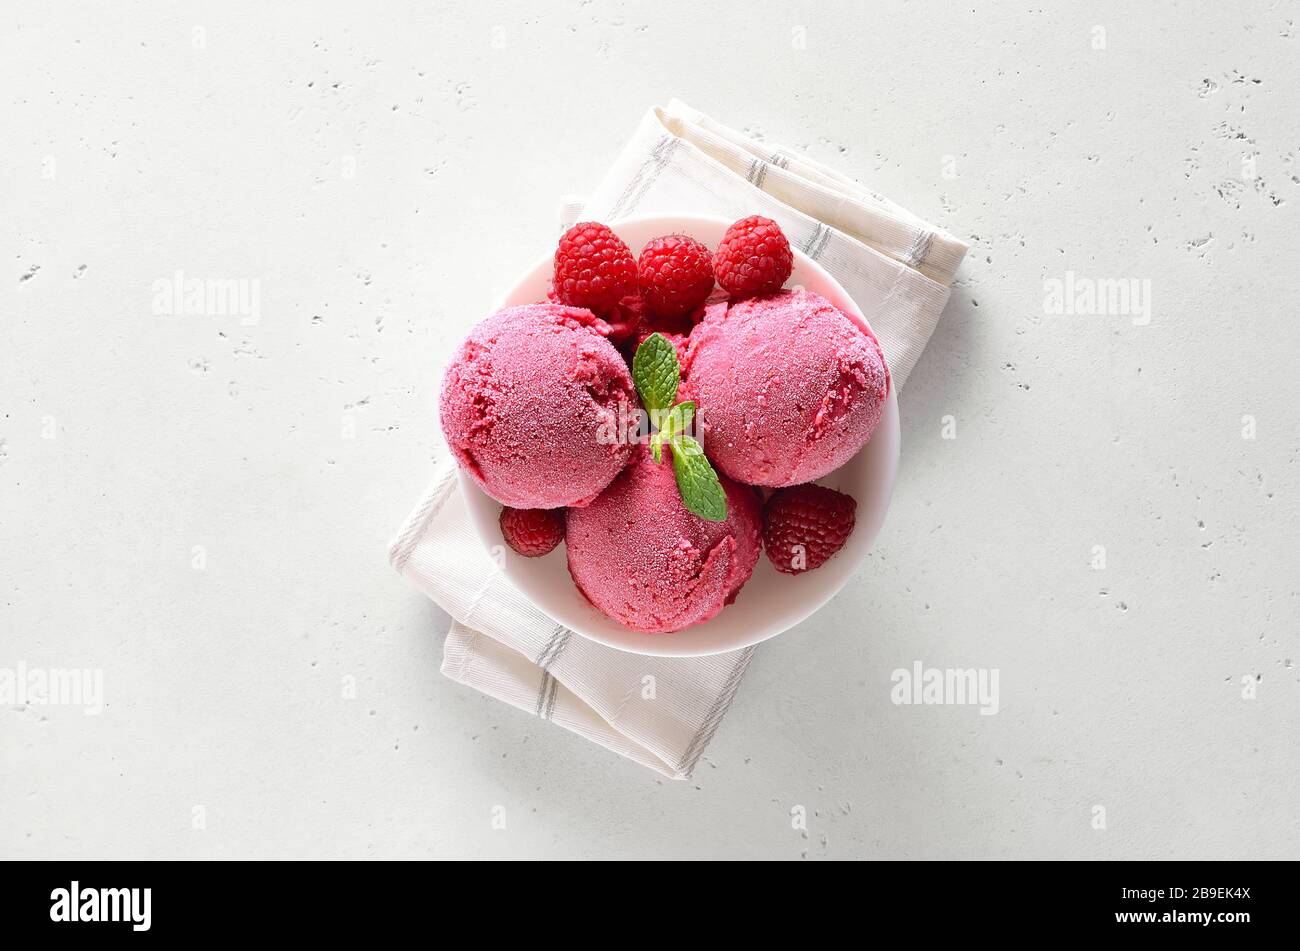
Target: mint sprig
x=672, y=424
x=697, y=482
x=656, y=374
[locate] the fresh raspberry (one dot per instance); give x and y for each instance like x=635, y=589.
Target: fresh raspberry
x=593, y=268
x=754, y=258
x=804, y=525
x=675, y=275
x=532, y=532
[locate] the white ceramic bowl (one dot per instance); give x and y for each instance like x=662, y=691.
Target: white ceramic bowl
x=770, y=602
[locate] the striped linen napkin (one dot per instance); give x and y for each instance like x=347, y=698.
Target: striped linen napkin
x=659, y=711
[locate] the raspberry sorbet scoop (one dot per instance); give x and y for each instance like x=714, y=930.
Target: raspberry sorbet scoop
x=532, y=406
x=641, y=558
x=788, y=387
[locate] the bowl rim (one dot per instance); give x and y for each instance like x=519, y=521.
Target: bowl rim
x=662, y=645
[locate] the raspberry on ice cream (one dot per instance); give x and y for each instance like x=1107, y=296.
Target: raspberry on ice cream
x=753, y=257
x=593, y=267
x=675, y=274
x=641, y=558
x=532, y=532
x=535, y=406
x=804, y=525
x=787, y=386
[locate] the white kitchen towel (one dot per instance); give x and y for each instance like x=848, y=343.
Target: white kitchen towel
x=662, y=712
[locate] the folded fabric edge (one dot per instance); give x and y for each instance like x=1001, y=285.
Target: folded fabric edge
x=843, y=182
x=905, y=269
x=844, y=187
x=758, y=147
x=408, y=536
x=491, y=674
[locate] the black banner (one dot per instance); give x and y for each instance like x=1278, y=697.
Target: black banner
x=136, y=901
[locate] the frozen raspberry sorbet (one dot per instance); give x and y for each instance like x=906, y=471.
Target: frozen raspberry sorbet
x=787, y=386
x=644, y=560
x=532, y=406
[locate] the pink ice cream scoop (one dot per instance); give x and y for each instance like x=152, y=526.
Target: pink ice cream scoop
x=787, y=387
x=644, y=560
x=537, y=405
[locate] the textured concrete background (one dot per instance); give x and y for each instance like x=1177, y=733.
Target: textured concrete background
x=181, y=505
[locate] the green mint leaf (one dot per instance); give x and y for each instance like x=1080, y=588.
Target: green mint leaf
x=665, y=433
x=656, y=374
x=687, y=446
x=682, y=415
x=701, y=491
x=673, y=425
x=675, y=422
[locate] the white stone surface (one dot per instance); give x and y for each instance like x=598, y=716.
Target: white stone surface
x=136, y=147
